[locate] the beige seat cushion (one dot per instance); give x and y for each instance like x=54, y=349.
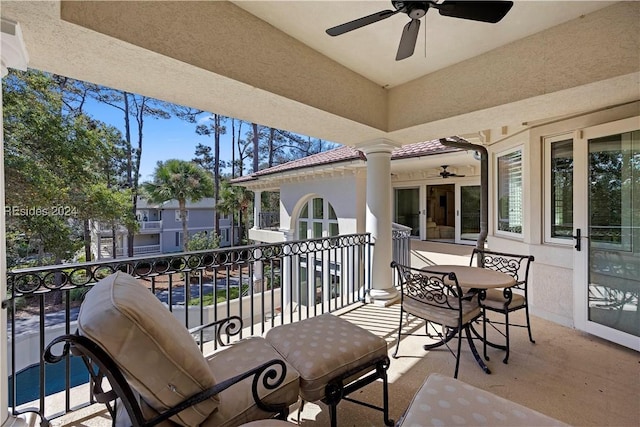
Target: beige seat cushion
x=236, y=403
x=495, y=299
x=444, y=401
x=442, y=315
x=325, y=347
x=155, y=353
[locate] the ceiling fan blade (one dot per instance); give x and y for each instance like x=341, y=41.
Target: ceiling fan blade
x=485, y=11
x=361, y=22
x=408, y=39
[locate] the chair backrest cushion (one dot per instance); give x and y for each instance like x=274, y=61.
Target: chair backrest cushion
x=155, y=353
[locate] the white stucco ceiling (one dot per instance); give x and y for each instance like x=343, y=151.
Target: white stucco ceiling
x=370, y=51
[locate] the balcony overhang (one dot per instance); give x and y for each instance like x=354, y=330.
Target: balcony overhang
x=200, y=54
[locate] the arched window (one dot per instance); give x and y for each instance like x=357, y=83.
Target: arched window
x=317, y=219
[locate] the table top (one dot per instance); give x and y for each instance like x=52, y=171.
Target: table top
x=475, y=277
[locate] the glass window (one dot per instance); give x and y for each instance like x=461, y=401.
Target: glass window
x=469, y=212
x=323, y=220
x=561, y=205
x=407, y=208
x=179, y=217
x=611, y=181
x=318, y=209
x=332, y=213
x=510, y=192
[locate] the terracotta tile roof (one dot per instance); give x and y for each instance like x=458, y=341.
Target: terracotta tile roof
x=420, y=149
x=345, y=154
x=337, y=155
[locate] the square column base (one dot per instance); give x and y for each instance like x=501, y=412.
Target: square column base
x=383, y=297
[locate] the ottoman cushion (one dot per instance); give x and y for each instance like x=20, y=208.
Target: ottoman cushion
x=443, y=401
x=323, y=348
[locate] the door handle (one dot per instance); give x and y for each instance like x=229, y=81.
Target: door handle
x=578, y=238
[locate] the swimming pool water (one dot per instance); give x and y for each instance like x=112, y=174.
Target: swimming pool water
x=28, y=380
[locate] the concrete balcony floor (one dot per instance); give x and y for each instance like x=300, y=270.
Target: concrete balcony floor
x=574, y=377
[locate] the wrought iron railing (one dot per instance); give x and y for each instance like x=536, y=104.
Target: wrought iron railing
x=401, y=238
x=281, y=283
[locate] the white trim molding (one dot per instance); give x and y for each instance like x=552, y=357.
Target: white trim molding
x=14, y=51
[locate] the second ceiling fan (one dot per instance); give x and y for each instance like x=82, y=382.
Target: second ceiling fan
x=485, y=11
x=446, y=174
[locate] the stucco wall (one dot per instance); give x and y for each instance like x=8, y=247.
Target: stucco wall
x=345, y=192
x=553, y=286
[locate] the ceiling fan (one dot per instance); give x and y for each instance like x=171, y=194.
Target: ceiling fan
x=446, y=174
x=485, y=11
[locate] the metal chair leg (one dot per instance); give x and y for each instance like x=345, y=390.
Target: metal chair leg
x=382, y=372
x=395, y=353
x=526, y=310
x=300, y=410
x=506, y=329
x=455, y=375
x=333, y=414
x=484, y=333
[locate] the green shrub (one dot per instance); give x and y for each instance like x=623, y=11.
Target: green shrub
x=221, y=296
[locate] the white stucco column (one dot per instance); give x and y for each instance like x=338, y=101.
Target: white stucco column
x=378, y=219
x=257, y=208
x=13, y=55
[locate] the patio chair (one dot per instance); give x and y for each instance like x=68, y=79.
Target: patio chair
x=504, y=301
x=438, y=299
x=157, y=373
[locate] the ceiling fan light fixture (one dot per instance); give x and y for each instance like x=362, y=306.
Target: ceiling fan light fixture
x=485, y=11
x=417, y=9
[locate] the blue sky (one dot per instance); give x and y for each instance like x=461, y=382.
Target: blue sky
x=162, y=139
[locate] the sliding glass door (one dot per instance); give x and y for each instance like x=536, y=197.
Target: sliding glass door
x=469, y=213
x=407, y=208
x=608, y=260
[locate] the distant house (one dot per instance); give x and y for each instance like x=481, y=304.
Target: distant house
x=160, y=229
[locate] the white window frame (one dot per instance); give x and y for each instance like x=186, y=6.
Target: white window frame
x=548, y=203
x=523, y=207
x=325, y=220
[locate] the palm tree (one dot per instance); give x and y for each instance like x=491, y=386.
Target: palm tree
x=234, y=199
x=179, y=180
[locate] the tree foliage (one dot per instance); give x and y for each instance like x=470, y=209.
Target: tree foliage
x=202, y=241
x=235, y=201
x=54, y=158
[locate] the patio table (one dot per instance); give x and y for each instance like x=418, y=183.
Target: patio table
x=473, y=280
x=475, y=277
